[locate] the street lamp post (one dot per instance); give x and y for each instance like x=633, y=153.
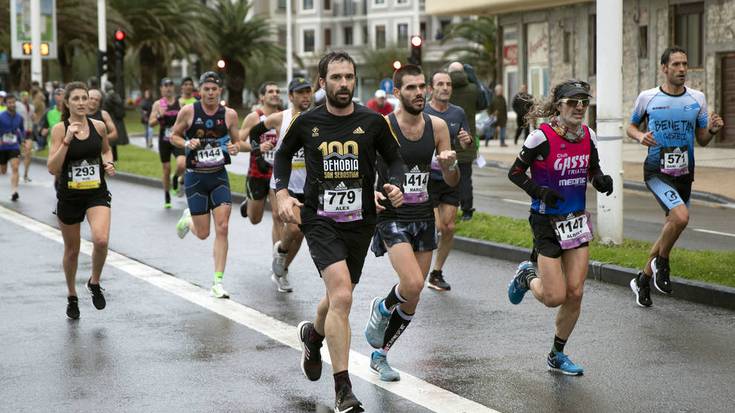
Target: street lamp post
x=36, y=71
x=102, y=40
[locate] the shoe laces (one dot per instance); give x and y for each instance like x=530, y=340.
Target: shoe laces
x=96, y=288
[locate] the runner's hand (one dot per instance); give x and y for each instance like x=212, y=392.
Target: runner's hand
x=647, y=139
x=464, y=138
x=233, y=149
x=603, y=184
x=550, y=197
x=266, y=146
x=193, y=143
x=394, y=194
x=110, y=168
x=286, y=206
x=71, y=131
x=378, y=198
x=715, y=122
x=447, y=159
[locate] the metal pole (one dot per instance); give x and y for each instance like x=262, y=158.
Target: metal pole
x=36, y=71
x=289, y=44
x=102, y=37
x=609, y=117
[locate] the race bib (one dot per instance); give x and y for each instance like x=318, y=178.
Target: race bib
x=9, y=139
x=341, y=204
x=269, y=156
x=210, y=157
x=675, y=160
x=167, y=134
x=572, y=230
x=84, y=175
x=298, y=161
x=415, y=187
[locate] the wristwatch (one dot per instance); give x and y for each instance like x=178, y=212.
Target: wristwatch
x=712, y=133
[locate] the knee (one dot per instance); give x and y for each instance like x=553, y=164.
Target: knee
x=554, y=300
x=341, y=301
x=449, y=227
x=71, y=252
x=255, y=220
x=202, y=234
x=100, y=242
x=574, y=295
x=680, y=218
x=222, y=228
x=411, y=289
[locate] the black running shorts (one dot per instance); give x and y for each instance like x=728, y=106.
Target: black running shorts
x=421, y=235
x=544, y=237
x=330, y=243
x=6, y=156
x=257, y=188
x=441, y=193
x=73, y=212
x=166, y=149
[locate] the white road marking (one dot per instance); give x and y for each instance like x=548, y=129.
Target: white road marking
x=707, y=231
x=513, y=201
x=410, y=387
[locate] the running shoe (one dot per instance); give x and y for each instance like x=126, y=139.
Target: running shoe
x=661, y=271
x=98, y=299
x=282, y=283
x=27, y=179
x=218, y=291
x=379, y=365
x=182, y=227
x=167, y=200
x=15, y=197
x=560, y=363
x=279, y=260
x=311, y=358
x=376, y=325
x=244, y=208
x=72, y=308
x=518, y=285
x=642, y=289
x=346, y=402
x=437, y=282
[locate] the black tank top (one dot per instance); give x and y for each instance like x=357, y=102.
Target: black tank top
x=96, y=116
x=169, y=117
x=82, y=175
x=212, y=132
x=417, y=156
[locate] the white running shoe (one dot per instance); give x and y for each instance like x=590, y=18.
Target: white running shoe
x=279, y=260
x=182, y=227
x=218, y=291
x=282, y=283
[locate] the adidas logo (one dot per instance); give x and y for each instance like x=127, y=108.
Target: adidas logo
x=341, y=187
x=358, y=131
x=415, y=169
x=84, y=163
x=315, y=132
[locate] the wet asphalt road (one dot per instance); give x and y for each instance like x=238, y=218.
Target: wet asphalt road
x=150, y=350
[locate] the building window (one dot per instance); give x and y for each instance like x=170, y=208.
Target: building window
x=443, y=26
x=282, y=4
x=401, y=1
x=688, y=31
x=348, y=36
x=402, y=34
x=643, y=42
x=281, y=36
x=327, y=38
x=327, y=4
x=365, y=35
x=307, y=5
x=308, y=41
x=592, y=38
x=380, y=37
x=422, y=30
x=568, y=47
x=379, y=2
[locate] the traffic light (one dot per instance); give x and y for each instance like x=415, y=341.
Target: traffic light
x=119, y=44
x=416, y=43
x=397, y=65
x=119, y=47
x=102, y=66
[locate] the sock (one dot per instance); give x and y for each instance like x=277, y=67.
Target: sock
x=393, y=299
x=167, y=197
x=558, y=346
x=175, y=182
x=342, y=380
x=218, y=275
x=315, y=337
x=530, y=275
x=281, y=250
x=396, y=326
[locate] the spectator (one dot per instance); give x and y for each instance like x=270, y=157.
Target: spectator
x=146, y=103
x=465, y=95
x=115, y=106
x=522, y=103
x=50, y=118
x=380, y=104
x=26, y=111
x=499, y=108
x=38, y=101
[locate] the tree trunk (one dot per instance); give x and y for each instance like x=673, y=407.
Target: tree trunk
x=235, y=81
x=148, y=68
x=66, y=60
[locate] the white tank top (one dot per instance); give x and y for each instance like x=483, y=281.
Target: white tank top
x=298, y=166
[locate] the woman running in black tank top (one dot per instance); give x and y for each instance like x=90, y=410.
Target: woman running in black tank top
x=79, y=158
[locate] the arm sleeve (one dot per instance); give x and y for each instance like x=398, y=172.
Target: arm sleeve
x=594, y=168
x=388, y=148
x=535, y=146
x=282, y=160
x=254, y=135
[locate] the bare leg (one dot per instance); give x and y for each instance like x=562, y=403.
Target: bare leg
x=445, y=216
x=676, y=222
x=575, y=268
x=71, y=235
x=221, y=223
x=99, y=223
x=337, y=321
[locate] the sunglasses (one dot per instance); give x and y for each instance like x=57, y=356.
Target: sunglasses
x=575, y=102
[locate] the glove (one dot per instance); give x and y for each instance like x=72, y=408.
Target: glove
x=603, y=184
x=549, y=196
x=263, y=165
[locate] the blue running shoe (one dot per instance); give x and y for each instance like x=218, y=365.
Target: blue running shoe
x=517, y=287
x=560, y=363
x=376, y=325
x=379, y=365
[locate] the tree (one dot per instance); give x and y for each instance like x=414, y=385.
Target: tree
x=479, y=38
x=239, y=41
x=378, y=63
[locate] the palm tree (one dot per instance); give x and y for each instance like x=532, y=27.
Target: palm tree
x=479, y=40
x=378, y=63
x=239, y=41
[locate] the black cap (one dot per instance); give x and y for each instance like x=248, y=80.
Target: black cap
x=210, y=76
x=166, y=81
x=572, y=88
x=298, y=83
x=187, y=79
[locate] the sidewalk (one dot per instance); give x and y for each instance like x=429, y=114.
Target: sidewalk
x=714, y=173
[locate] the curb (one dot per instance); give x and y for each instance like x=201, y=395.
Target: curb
x=694, y=291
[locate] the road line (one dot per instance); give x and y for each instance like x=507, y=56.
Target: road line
x=707, y=231
x=410, y=387
x=513, y=201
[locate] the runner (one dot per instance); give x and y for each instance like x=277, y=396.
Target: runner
x=261, y=156
x=562, y=155
x=675, y=115
x=94, y=111
x=12, y=134
x=289, y=235
x=52, y=116
x=407, y=233
x=164, y=113
x=205, y=129
x=445, y=198
x=26, y=110
x=340, y=140
x=79, y=158
x=187, y=92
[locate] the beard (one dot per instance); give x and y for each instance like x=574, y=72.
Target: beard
x=410, y=107
x=337, y=101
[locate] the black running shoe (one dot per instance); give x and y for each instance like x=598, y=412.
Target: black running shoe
x=15, y=197
x=346, y=402
x=244, y=208
x=72, y=307
x=436, y=281
x=641, y=287
x=467, y=214
x=661, y=270
x=98, y=299
x=311, y=358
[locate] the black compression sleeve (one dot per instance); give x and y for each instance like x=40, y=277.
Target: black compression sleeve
x=517, y=175
x=254, y=135
x=282, y=160
x=594, y=168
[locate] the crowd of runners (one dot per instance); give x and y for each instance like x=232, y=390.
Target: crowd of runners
x=350, y=180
